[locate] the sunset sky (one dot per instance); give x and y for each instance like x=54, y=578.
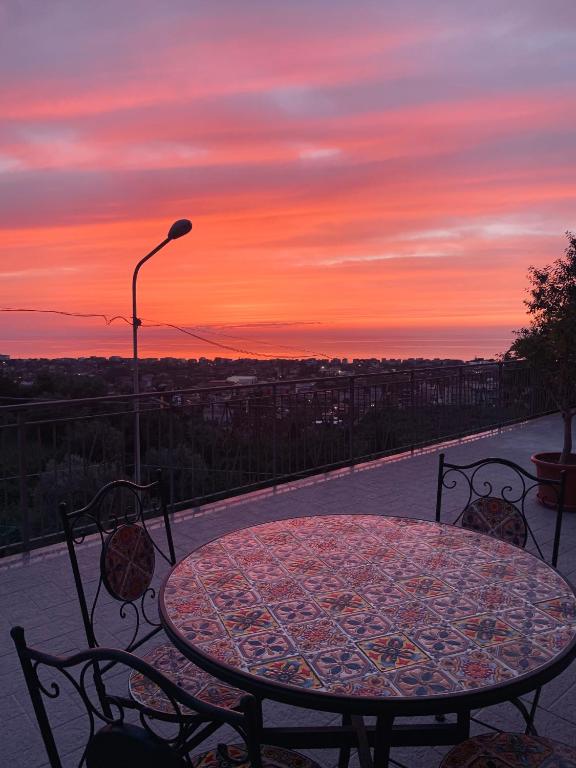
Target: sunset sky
x=364, y=178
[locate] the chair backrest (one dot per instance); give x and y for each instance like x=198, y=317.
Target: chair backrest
x=119, y=519
x=110, y=740
x=495, y=493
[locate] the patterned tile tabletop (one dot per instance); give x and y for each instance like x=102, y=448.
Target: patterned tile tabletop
x=369, y=606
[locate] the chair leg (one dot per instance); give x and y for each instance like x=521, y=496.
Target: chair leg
x=528, y=715
x=530, y=729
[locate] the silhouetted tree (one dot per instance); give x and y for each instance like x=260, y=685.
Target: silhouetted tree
x=549, y=342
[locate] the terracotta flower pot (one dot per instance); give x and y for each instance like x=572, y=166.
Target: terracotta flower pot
x=547, y=468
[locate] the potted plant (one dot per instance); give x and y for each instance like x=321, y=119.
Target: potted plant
x=548, y=345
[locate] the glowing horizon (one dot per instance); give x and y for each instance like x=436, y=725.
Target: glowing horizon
x=358, y=177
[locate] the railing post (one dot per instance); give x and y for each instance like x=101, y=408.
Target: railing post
x=412, y=409
x=500, y=400
x=274, y=435
x=171, y=455
x=22, y=484
x=351, y=401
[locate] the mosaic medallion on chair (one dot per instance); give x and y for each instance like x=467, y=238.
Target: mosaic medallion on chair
x=390, y=652
x=127, y=562
x=485, y=629
x=512, y=750
x=453, y=606
x=342, y=602
x=364, y=624
x=423, y=680
x=265, y=645
x=476, y=668
x=498, y=518
x=249, y=621
x=425, y=586
x=226, y=756
x=340, y=664
x=440, y=640
x=561, y=608
x=521, y=655
x=294, y=611
x=294, y=670
x=529, y=620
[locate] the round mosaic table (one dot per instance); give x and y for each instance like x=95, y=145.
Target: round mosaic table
x=353, y=613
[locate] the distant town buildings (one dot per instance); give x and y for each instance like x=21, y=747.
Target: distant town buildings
x=100, y=376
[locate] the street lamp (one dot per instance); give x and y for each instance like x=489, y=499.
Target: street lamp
x=178, y=229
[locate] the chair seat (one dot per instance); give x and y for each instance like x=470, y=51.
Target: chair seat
x=236, y=755
x=184, y=673
x=510, y=750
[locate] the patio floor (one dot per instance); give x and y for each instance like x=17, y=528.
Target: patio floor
x=37, y=591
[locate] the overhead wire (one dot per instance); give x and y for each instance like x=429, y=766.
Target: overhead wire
x=154, y=324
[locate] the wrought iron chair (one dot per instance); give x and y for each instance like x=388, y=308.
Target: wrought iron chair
x=112, y=741
x=496, y=506
x=127, y=564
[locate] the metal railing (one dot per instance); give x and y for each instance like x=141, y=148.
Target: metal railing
x=219, y=441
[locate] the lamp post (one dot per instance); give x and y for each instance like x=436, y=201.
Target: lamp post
x=178, y=229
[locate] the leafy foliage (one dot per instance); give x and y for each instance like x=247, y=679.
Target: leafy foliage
x=548, y=344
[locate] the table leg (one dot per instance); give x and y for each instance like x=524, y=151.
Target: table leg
x=382, y=738
x=344, y=755
x=364, y=756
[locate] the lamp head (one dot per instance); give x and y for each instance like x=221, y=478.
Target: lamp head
x=179, y=229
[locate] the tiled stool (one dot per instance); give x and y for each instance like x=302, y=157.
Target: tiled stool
x=510, y=750
x=235, y=756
